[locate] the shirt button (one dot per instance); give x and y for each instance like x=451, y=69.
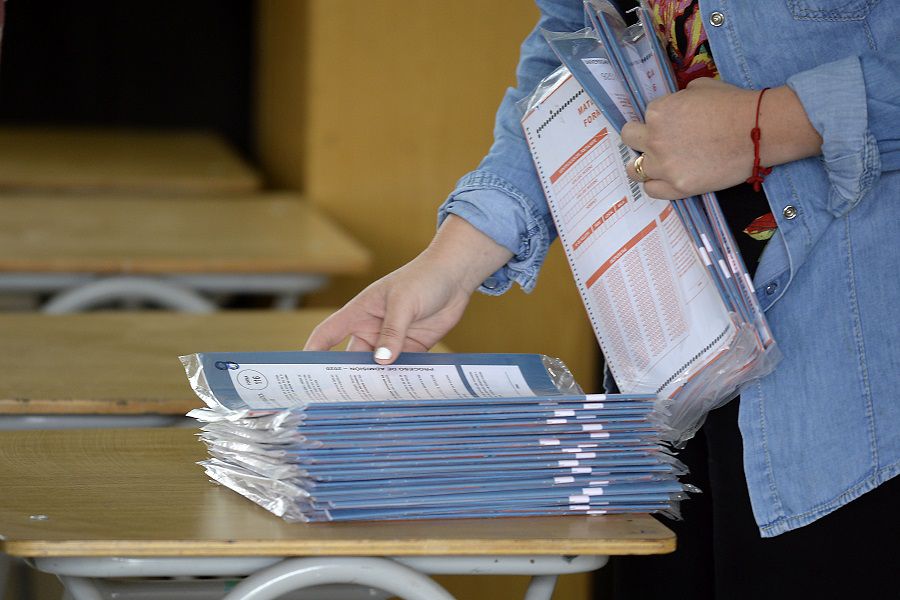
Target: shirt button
x=770, y=289
x=789, y=212
x=717, y=19
x=490, y=283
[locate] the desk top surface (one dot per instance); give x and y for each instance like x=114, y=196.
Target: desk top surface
x=105, y=160
x=126, y=362
x=127, y=234
x=137, y=492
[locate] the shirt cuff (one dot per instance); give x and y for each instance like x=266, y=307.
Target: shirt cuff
x=834, y=97
x=498, y=210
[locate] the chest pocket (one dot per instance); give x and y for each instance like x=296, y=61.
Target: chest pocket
x=830, y=10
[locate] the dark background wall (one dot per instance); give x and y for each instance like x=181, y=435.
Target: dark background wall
x=169, y=63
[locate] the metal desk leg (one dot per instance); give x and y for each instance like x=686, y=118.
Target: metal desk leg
x=541, y=587
x=543, y=569
x=297, y=573
x=29, y=422
x=288, y=288
x=270, y=577
x=163, y=293
x=81, y=588
x=287, y=302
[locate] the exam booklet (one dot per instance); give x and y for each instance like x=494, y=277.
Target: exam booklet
x=330, y=436
x=273, y=380
x=653, y=304
x=669, y=298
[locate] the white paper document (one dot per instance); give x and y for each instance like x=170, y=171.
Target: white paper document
x=269, y=386
x=653, y=305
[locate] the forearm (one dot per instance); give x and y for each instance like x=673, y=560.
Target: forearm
x=464, y=253
x=503, y=197
x=786, y=131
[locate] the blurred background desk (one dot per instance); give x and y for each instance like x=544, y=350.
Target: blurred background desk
x=131, y=503
x=337, y=99
x=121, y=368
x=109, y=160
x=91, y=250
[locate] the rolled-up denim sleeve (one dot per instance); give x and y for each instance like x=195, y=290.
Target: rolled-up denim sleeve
x=502, y=197
x=854, y=104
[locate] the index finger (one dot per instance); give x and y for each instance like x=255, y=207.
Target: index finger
x=328, y=333
x=634, y=135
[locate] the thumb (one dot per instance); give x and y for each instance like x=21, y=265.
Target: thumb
x=397, y=318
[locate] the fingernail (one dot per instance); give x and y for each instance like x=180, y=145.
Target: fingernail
x=383, y=353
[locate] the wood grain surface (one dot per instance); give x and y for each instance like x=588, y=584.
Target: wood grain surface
x=76, y=160
x=126, y=362
x=137, y=492
x=120, y=233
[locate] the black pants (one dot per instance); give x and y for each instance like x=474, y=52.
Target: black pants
x=848, y=554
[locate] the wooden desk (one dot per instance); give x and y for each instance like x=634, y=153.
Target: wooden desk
x=76, y=160
x=260, y=242
x=97, y=494
x=126, y=364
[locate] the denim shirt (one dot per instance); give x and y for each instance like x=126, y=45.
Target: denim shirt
x=824, y=427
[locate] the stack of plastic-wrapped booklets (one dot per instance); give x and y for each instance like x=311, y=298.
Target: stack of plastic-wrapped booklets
x=669, y=297
x=332, y=436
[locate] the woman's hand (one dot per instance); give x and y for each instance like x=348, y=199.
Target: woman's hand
x=412, y=308
x=698, y=139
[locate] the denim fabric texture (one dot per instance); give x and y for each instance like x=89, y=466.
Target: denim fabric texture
x=824, y=428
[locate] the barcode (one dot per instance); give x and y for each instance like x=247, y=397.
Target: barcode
x=625, y=154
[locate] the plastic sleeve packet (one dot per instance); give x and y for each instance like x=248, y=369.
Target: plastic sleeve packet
x=239, y=385
x=571, y=122
x=334, y=437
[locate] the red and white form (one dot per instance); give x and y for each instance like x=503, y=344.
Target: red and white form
x=654, y=307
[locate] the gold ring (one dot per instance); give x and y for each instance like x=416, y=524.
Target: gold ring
x=639, y=169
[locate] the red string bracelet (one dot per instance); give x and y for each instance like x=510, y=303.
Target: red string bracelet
x=759, y=172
